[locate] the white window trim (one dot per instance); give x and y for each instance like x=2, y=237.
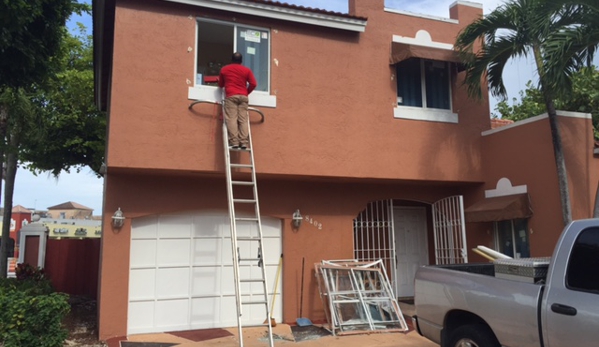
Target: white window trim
x=41, y=255
x=211, y=93
x=424, y=113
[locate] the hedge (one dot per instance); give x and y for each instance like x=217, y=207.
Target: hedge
x=31, y=313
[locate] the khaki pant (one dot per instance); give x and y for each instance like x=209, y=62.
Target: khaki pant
x=236, y=118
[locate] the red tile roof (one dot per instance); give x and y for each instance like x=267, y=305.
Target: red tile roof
x=498, y=122
x=70, y=206
x=20, y=209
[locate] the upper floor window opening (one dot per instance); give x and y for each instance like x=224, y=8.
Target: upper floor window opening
x=218, y=40
x=424, y=83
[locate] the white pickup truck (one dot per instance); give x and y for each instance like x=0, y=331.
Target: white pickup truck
x=513, y=303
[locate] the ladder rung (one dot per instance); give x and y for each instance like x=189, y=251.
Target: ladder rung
x=246, y=219
x=248, y=239
x=243, y=183
x=251, y=280
x=249, y=259
x=244, y=201
x=253, y=302
x=247, y=166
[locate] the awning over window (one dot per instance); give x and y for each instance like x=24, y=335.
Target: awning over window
x=500, y=208
x=403, y=51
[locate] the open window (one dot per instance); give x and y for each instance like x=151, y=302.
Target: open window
x=218, y=40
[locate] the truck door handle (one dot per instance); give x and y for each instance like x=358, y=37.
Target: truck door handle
x=563, y=309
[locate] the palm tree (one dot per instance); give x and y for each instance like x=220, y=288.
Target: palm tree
x=522, y=28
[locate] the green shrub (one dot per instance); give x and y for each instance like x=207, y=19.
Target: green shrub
x=31, y=313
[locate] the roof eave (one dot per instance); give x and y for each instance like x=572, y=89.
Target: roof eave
x=281, y=13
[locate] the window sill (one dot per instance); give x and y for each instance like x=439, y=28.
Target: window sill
x=425, y=114
x=261, y=99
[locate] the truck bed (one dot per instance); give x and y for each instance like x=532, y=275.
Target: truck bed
x=509, y=306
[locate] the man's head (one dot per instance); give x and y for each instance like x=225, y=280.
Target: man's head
x=237, y=58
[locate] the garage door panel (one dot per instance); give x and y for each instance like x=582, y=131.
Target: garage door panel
x=172, y=314
x=205, y=312
x=173, y=252
x=271, y=228
x=172, y=283
x=175, y=226
x=143, y=253
x=272, y=252
x=142, y=284
x=210, y=226
x=208, y=251
x=145, y=228
x=207, y=281
x=140, y=316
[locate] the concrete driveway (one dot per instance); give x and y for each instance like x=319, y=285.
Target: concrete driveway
x=255, y=337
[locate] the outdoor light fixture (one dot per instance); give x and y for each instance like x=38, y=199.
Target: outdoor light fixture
x=118, y=219
x=296, y=219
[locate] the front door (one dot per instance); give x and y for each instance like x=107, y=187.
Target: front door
x=411, y=246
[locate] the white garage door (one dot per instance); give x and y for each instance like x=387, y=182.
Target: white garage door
x=181, y=273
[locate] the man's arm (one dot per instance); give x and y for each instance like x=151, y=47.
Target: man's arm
x=251, y=82
x=221, y=79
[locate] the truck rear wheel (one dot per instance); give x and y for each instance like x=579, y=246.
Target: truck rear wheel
x=477, y=335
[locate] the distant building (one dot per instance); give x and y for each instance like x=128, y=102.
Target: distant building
x=69, y=210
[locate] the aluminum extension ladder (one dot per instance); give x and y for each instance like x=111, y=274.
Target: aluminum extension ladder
x=236, y=186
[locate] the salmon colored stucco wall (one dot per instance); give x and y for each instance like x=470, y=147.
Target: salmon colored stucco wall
x=335, y=95
x=332, y=204
x=523, y=153
x=329, y=147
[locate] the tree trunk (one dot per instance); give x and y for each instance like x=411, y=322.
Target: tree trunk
x=5, y=236
x=9, y=187
x=556, y=139
x=560, y=162
x=596, y=209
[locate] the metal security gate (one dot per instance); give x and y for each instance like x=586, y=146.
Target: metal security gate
x=374, y=237
x=450, y=233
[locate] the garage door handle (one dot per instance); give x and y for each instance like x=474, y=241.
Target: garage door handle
x=563, y=309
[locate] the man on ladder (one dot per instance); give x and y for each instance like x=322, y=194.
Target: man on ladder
x=239, y=82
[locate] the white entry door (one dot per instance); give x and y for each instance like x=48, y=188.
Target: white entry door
x=411, y=246
x=181, y=273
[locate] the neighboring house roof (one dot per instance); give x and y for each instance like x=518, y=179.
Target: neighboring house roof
x=20, y=209
x=497, y=122
x=70, y=206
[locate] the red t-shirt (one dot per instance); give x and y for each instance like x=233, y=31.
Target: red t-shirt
x=237, y=80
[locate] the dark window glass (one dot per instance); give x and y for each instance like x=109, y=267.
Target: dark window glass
x=583, y=267
x=409, y=83
x=437, y=84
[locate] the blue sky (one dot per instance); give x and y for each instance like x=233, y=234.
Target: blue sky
x=85, y=188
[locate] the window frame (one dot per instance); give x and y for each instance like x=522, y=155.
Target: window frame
x=425, y=113
x=513, y=236
x=212, y=93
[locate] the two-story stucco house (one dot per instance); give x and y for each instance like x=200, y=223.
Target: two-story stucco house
x=367, y=131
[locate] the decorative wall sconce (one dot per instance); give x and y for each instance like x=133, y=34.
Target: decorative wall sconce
x=296, y=219
x=118, y=219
